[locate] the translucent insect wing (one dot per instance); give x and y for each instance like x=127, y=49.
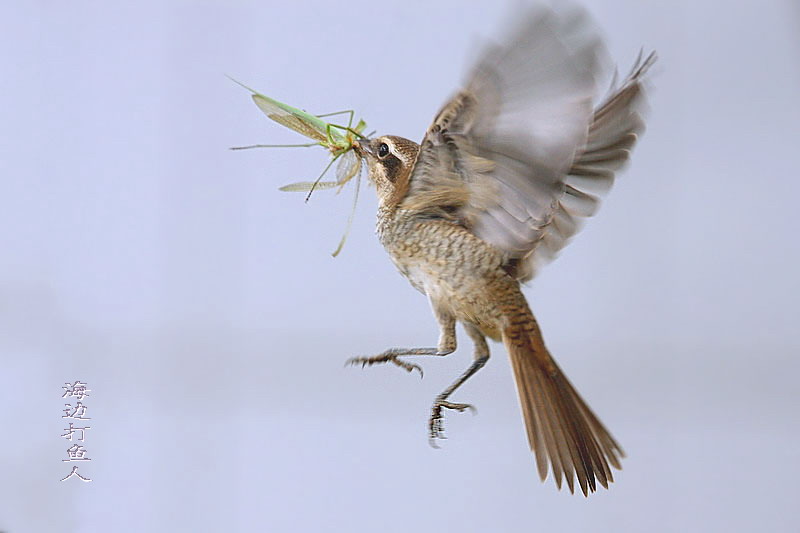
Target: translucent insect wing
x=349, y=164
x=300, y=121
x=306, y=186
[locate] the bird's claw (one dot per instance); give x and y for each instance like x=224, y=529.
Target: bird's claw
x=386, y=357
x=436, y=422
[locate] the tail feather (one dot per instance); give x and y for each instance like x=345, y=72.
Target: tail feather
x=561, y=428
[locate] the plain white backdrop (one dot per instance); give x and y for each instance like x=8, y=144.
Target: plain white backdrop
x=205, y=312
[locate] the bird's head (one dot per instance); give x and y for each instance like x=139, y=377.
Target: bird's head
x=390, y=161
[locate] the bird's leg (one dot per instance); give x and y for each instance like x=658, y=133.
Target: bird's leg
x=447, y=345
x=481, y=355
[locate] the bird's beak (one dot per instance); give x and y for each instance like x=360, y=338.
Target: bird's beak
x=362, y=147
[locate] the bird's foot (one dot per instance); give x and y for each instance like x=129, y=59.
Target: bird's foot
x=436, y=421
x=392, y=355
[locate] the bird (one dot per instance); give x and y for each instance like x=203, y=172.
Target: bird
x=501, y=181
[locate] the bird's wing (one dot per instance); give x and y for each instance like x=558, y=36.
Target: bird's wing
x=522, y=144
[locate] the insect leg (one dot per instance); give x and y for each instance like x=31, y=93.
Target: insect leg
x=345, y=112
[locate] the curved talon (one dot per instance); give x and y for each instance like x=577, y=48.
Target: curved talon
x=460, y=407
x=409, y=367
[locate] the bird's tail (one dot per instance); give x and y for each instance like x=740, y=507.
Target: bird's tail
x=562, y=430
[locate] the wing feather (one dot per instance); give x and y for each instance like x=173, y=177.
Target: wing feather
x=520, y=155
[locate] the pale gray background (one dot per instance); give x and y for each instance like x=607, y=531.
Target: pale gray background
x=204, y=310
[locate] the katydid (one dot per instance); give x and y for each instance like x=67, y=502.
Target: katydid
x=338, y=139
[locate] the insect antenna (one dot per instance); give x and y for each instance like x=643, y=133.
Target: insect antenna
x=352, y=213
x=273, y=146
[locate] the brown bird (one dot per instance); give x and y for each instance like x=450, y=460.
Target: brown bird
x=499, y=184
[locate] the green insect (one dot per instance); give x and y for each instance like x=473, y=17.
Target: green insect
x=337, y=139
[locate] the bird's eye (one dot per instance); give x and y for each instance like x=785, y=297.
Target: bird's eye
x=383, y=150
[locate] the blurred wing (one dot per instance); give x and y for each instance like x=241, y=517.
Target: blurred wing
x=505, y=149
x=615, y=127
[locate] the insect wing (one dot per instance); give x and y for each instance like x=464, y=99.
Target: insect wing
x=300, y=121
x=307, y=186
x=349, y=164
